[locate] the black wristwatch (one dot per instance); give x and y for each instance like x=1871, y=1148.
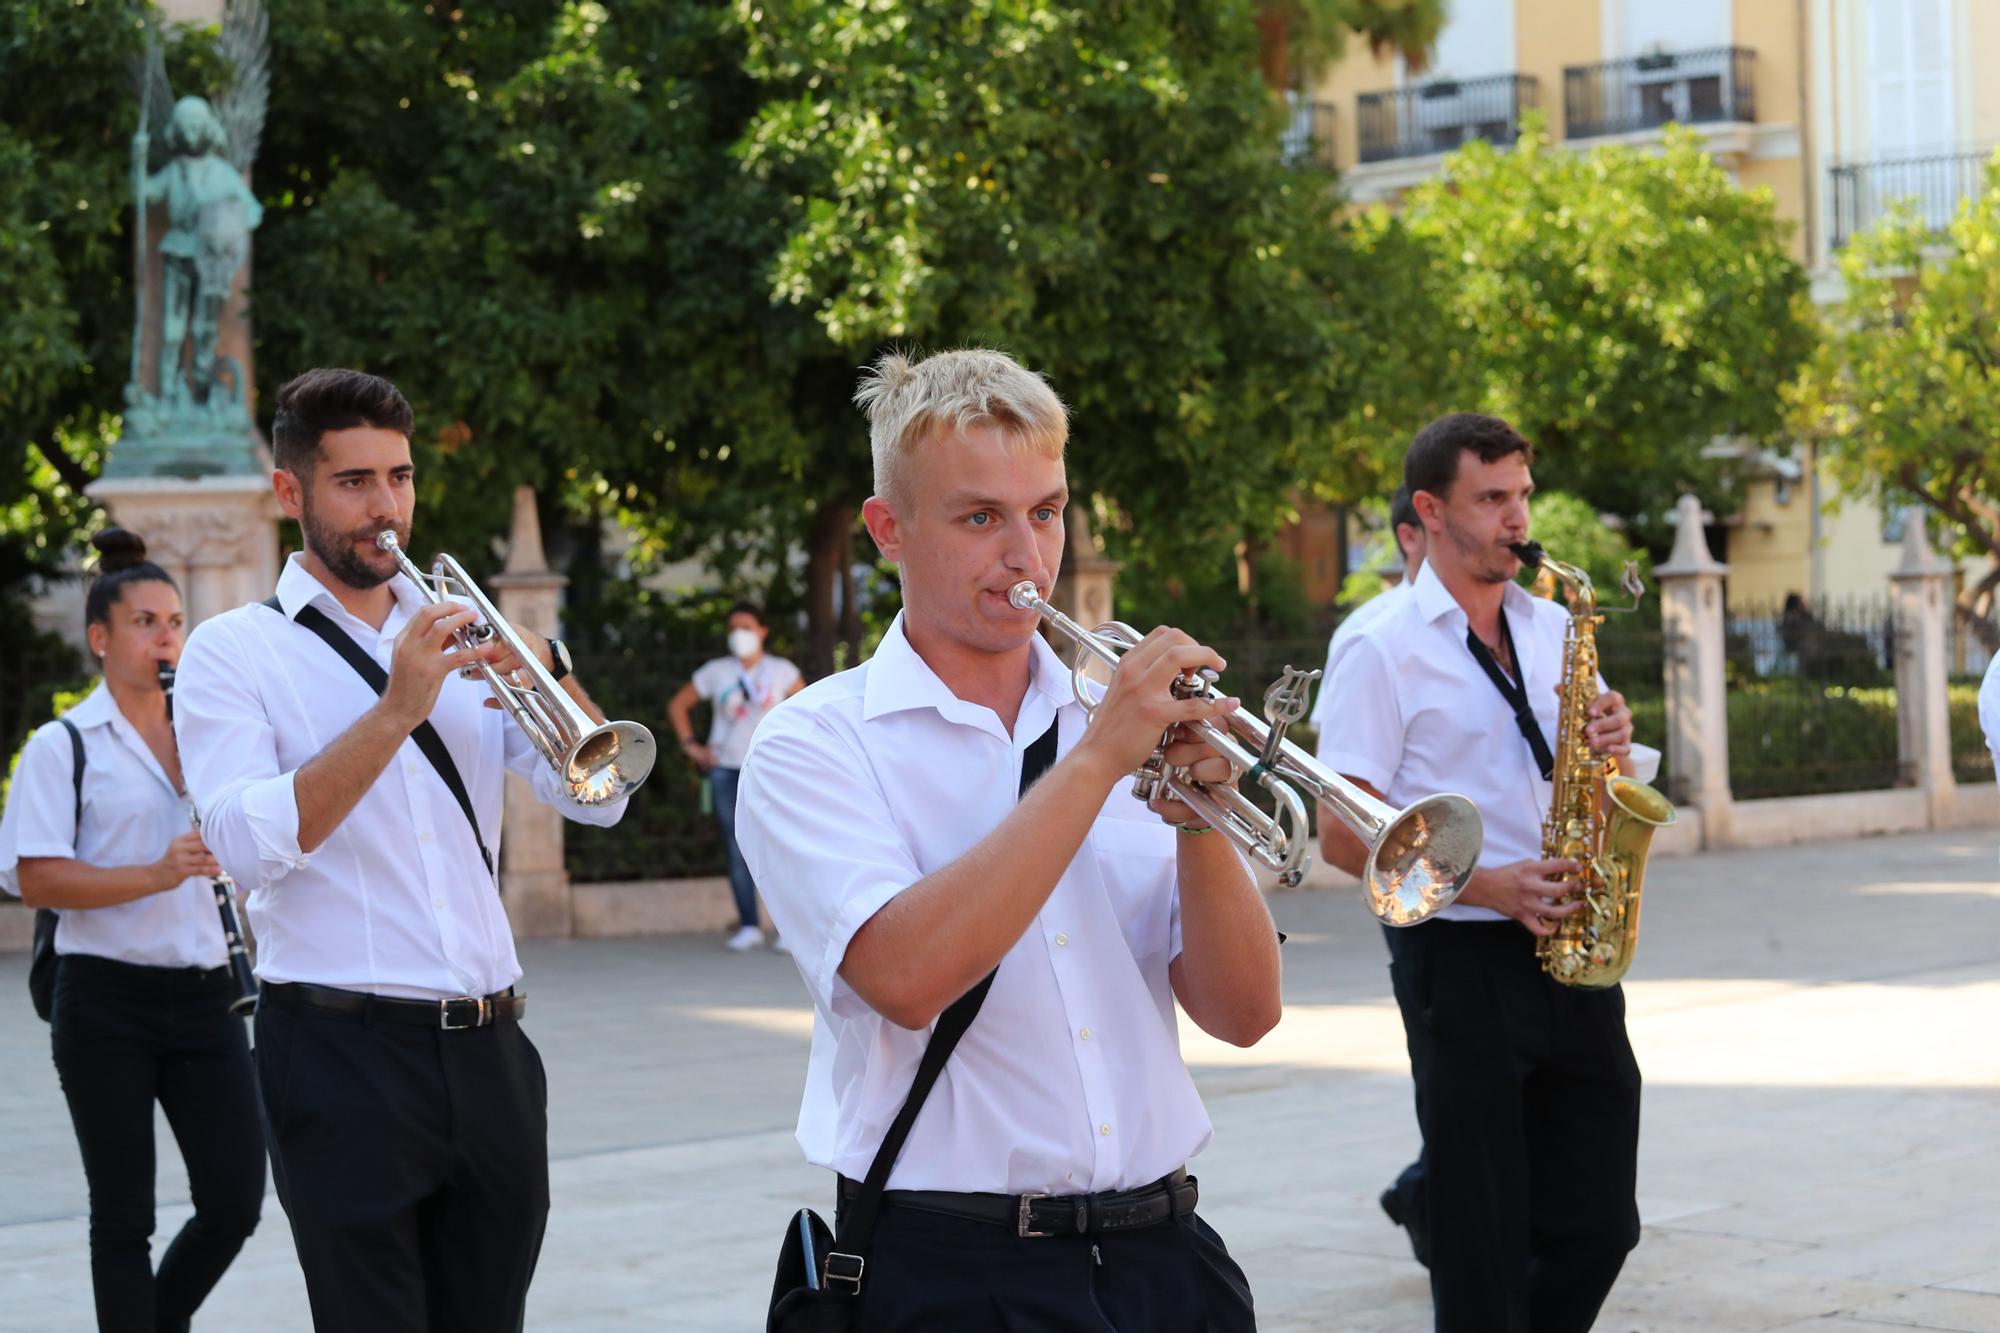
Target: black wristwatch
x=559, y=659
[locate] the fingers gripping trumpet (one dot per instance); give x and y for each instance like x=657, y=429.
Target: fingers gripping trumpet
x=1419, y=858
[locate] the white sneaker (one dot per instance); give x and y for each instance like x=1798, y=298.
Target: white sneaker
x=779, y=946
x=745, y=939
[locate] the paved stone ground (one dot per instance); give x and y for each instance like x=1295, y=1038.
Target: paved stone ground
x=1821, y=1151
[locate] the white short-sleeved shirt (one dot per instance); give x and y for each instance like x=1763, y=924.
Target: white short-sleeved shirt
x=1344, y=634
x=1071, y=1079
x=130, y=813
x=396, y=901
x=1418, y=715
x=739, y=698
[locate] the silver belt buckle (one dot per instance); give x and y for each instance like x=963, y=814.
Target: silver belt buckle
x=482, y=1014
x=1024, y=1225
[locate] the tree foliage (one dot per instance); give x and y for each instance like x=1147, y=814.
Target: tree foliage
x=1903, y=397
x=1622, y=308
x=1095, y=188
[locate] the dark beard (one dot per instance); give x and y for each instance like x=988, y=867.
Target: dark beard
x=336, y=551
x=1478, y=557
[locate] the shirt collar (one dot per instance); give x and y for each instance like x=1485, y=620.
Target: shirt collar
x=100, y=708
x=898, y=680
x=1435, y=601
x=298, y=589
x=95, y=709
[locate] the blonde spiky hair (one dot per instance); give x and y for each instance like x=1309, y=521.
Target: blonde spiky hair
x=910, y=402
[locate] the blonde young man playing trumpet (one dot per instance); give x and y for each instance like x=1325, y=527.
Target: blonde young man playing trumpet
x=881, y=812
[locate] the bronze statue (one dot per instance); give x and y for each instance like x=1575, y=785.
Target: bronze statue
x=190, y=416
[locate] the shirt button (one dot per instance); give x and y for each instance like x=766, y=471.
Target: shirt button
x=1085, y=1034
x=1062, y=941
x=437, y=902
x=1105, y=1129
x=423, y=837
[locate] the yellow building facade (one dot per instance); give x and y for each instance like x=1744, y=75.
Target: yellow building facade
x=1837, y=107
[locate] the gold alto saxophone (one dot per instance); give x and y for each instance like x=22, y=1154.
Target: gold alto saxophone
x=1593, y=948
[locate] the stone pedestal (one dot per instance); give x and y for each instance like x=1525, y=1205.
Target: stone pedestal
x=1088, y=579
x=1921, y=593
x=218, y=536
x=1697, y=705
x=533, y=880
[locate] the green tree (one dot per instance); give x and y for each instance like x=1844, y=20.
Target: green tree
x=1622, y=308
x=1097, y=189
x=1903, y=397
x=632, y=256
x=66, y=320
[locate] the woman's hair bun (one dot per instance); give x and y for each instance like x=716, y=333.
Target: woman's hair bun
x=118, y=549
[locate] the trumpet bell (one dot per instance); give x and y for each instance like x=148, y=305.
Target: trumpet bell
x=608, y=763
x=1423, y=859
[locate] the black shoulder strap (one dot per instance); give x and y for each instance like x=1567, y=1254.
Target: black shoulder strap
x=1515, y=692
x=425, y=735
x=858, y=1217
x=76, y=769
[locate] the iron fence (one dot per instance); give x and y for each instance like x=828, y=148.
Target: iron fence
x=1646, y=92
x=1812, y=698
x=1440, y=115
x=1861, y=192
x=666, y=833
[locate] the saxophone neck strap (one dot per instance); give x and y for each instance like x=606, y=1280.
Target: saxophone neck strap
x=1515, y=692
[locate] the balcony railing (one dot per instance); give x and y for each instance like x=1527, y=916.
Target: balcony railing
x=1861, y=192
x=1438, y=116
x=1308, y=139
x=1646, y=92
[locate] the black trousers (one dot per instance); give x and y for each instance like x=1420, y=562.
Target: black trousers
x=1528, y=1094
x=413, y=1165
x=124, y=1037
x=928, y=1272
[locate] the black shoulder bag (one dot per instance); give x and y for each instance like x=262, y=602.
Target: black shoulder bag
x=426, y=736
x=818, y=1285
x=42, y=962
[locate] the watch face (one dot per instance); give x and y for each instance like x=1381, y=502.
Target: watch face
x=560, y=652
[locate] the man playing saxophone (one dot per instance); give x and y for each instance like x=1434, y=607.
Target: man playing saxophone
x=1527, y=1091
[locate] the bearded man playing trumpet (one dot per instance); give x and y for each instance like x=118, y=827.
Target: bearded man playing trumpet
x=907, y=853
x=348, y=772
x=1527, y=1090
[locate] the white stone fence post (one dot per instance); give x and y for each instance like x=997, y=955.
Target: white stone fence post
x=534, y=883
x=1697, y=694
x=1921, y=594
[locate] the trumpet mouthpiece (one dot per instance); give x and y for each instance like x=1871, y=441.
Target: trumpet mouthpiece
x=1530, y=554
x=386, y=540
x=1023, y=595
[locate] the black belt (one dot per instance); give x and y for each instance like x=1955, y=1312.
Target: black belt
x=458, y=1014
x=1053, y=1214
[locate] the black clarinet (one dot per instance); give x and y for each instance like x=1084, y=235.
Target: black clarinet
x=225, y=895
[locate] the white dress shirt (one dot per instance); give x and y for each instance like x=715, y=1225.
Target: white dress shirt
x=1344, y=635
x=1070, y=1080
x=1418, y=715
x=396, y=901
x=130, y=813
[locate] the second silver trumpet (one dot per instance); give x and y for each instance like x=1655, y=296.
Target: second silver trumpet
x=595, y=762
x=1419, y=857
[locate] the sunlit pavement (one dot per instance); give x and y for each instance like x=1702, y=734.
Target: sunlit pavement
x=1819, y=1029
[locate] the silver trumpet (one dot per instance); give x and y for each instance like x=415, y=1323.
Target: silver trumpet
x=596, y=762
x=1419, y=858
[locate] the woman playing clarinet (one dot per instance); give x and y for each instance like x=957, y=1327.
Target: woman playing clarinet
x=96, y=827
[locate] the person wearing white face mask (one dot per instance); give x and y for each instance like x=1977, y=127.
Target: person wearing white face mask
x=740, y=688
